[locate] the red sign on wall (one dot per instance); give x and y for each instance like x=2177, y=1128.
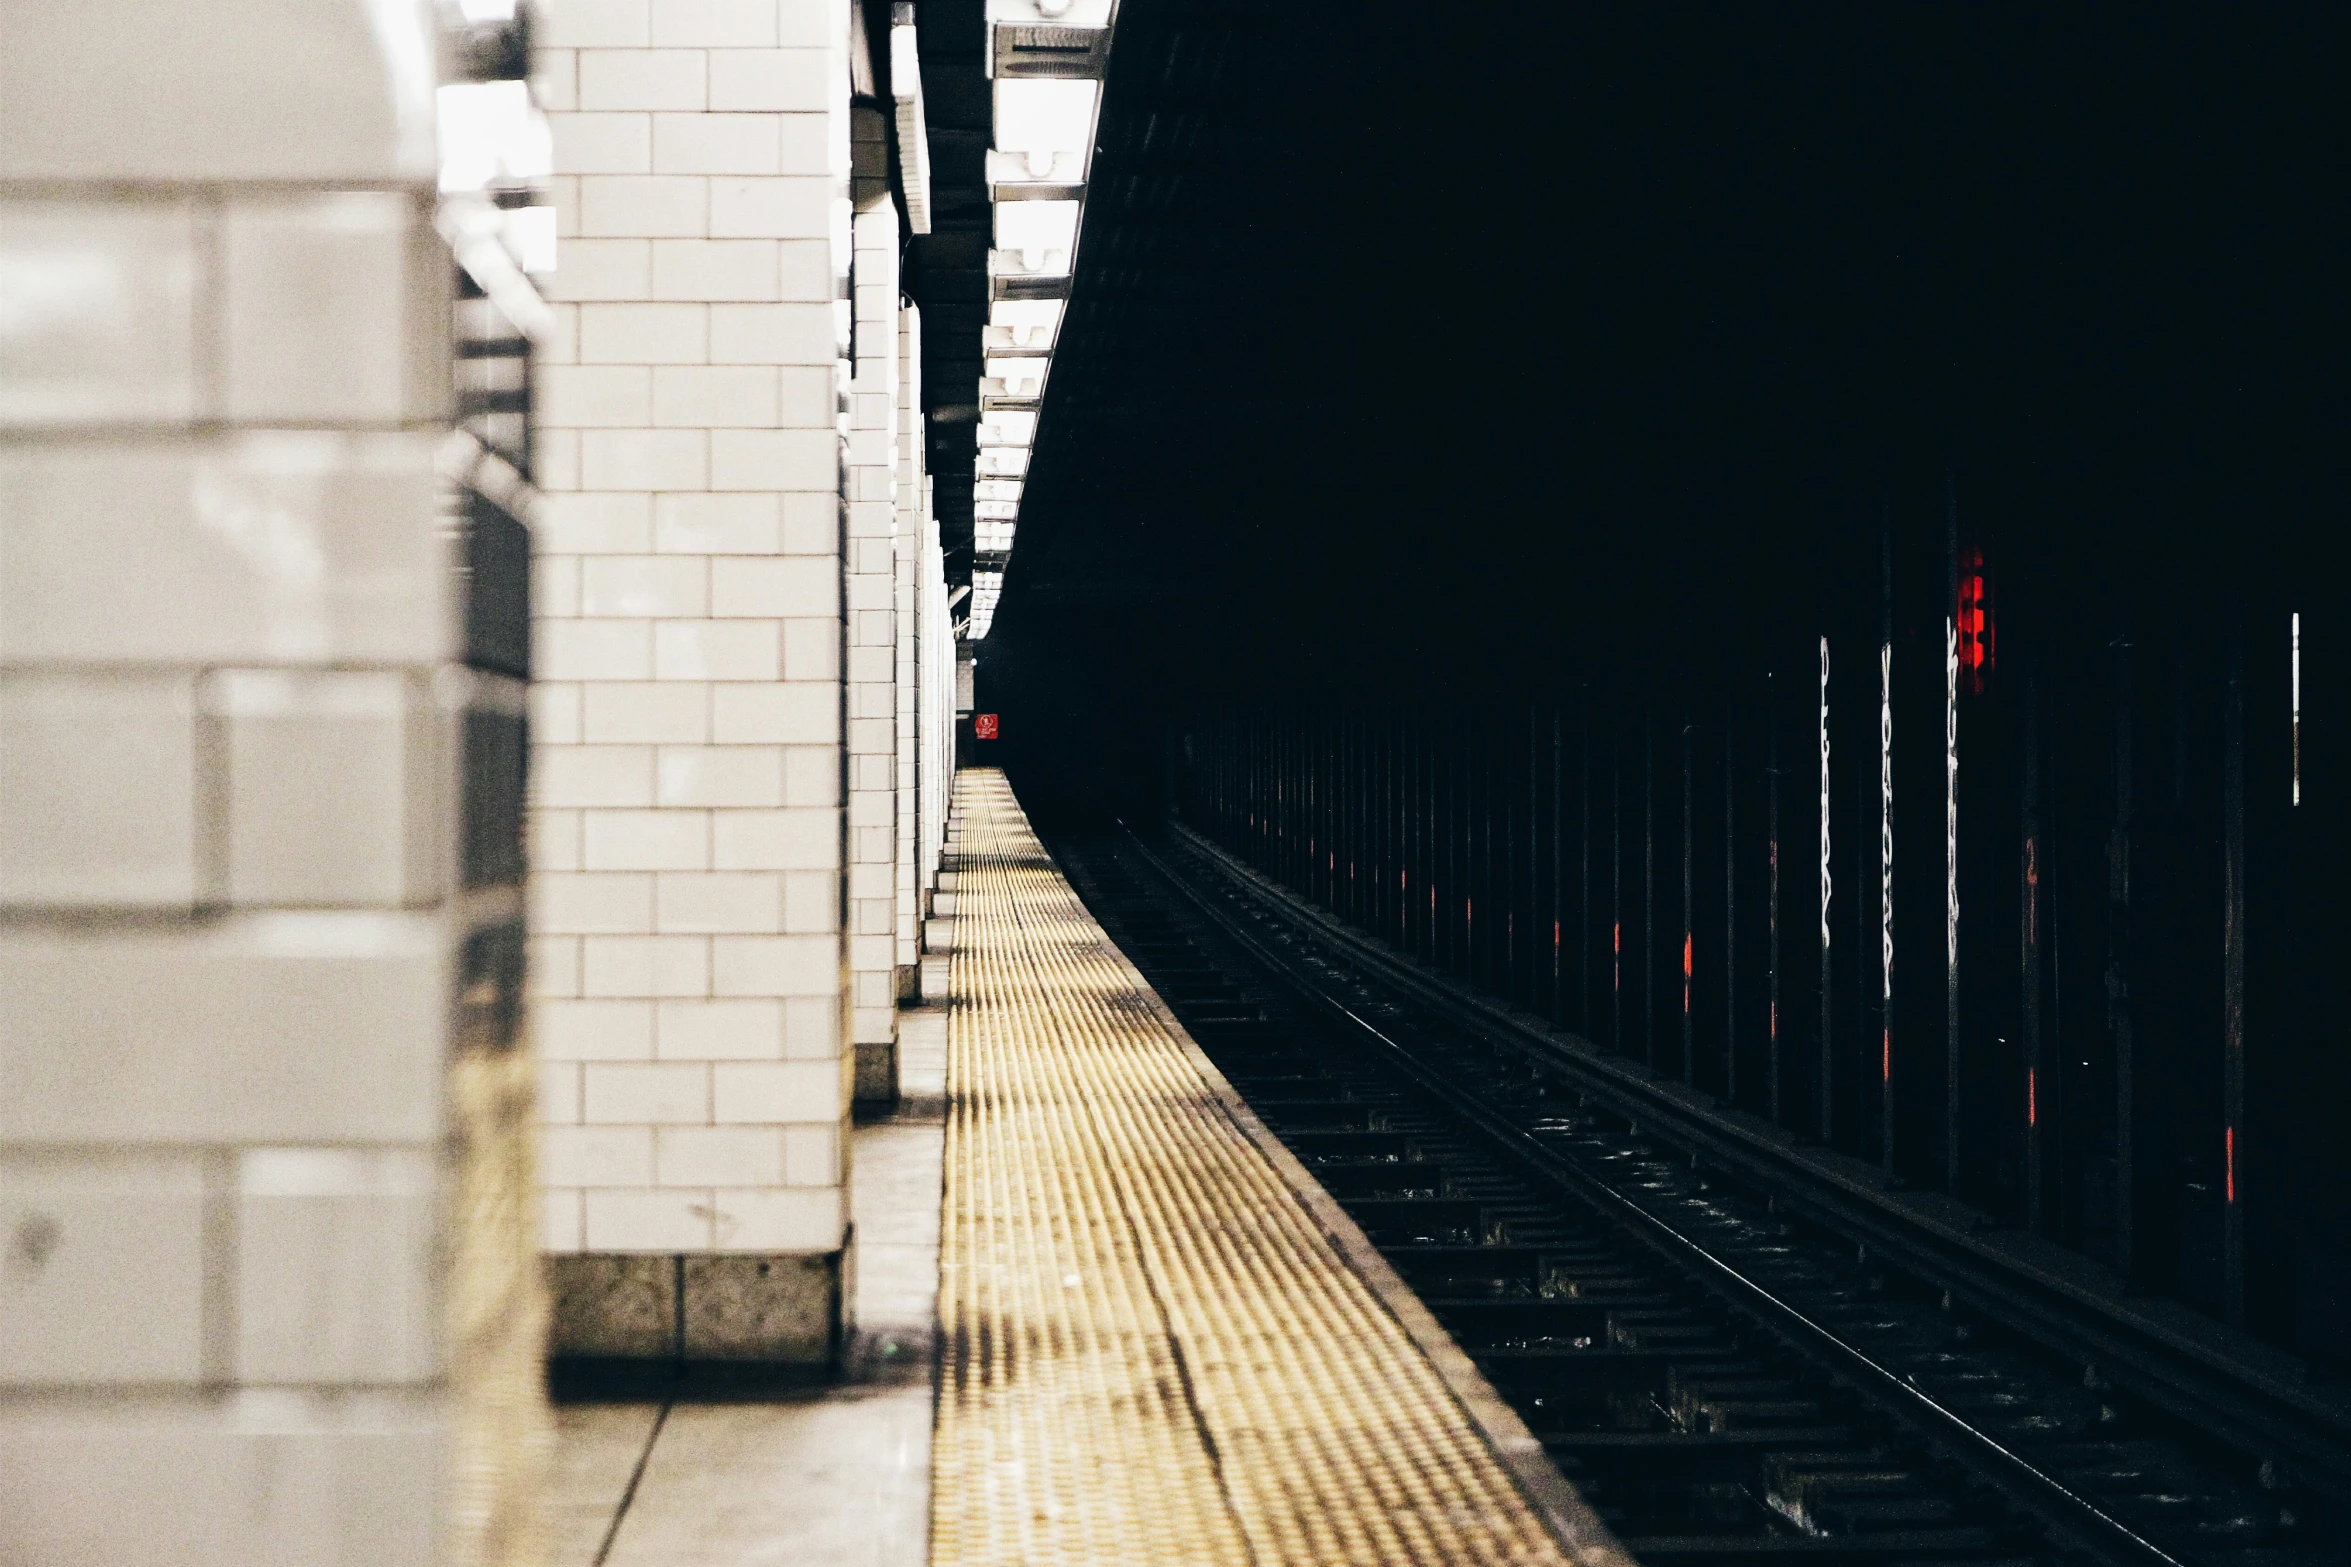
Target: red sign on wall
x=983, y=726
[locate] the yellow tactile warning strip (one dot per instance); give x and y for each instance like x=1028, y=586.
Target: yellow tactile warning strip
x=1151, y=1353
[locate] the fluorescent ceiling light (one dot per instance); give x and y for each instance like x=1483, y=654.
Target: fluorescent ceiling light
x=1008, y=427
x=1063, y=170
x=1036, y=229
x=1016, y=377
x=1061, y=13
x=1038, y=117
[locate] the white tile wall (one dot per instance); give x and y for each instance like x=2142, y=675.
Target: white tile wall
x=337, y=1266
x=103, y=1277
x=271, y=1476
x=869, y=585
x=231, y=723
x=687, y=806
x=98, y=791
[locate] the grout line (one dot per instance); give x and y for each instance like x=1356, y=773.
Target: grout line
x=629, y=1494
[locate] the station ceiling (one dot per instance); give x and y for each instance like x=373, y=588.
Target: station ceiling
x=1435, y=341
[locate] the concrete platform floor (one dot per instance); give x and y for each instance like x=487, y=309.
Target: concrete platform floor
x=837, y=1476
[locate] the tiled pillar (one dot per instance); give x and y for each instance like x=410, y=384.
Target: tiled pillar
x=870, y=580
x=912, y=492
x=688, y=818
x=263, y=1115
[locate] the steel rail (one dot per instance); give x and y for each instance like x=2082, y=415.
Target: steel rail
x=2307, y=1434
x=2076, y=1517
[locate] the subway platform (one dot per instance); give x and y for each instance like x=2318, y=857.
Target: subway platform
x=1101, y=1316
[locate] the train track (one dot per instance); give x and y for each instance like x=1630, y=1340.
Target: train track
x=1729, y=1379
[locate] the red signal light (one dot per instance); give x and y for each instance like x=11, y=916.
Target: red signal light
x=1972, y=619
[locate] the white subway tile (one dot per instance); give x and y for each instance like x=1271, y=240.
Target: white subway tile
x=642, y=79
x=719, y=1156
x=777, y=1091
x=595, y=398
x=736, y=524
x=716, y=269
x=790, y=206
x=601, y=269
x=812, y=1156
x=562, y=1223
x=555, y=593
x=596, y=24
x=556, y=463
x=812, y=1030
x=273, y=1476
x=98, y=791
x=775, y=713
x=593, y=524
x=647, y=841
x=602, y=143
x=337, y=1264
x=596, y=1156
x=591, y=903
x=715, y=903
x=645, y=460
x=774, y=460
x=114, y=339
x=657, y=205
x=665, y=1093
x=812, y=775
x=644, y=334
x=774, y=965
x=595, y=1030
x=661, y=713
x=810, y=147
x=592, y=775
x=555, y=965
x=812, y=647
x=647, y=966
x=335, y=790
x=184, y=527
x=716, y=24
x=812, y=522
x=716, y=650
x=796, y=1219
x=775, y=587
x=796, y=334
x=260, y=1027
x=555, y=78
x=715, y=144
x=812, y=901
x=645, y=585
x=104, y=1280
x=790, y=81
x=724, y=775
x=711, y=1030
x=800, y=840
x=559, y=1093
x=328, y=305
x=713, y=396
x=649, y=1220
x=807, y=402
x=593, y=649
